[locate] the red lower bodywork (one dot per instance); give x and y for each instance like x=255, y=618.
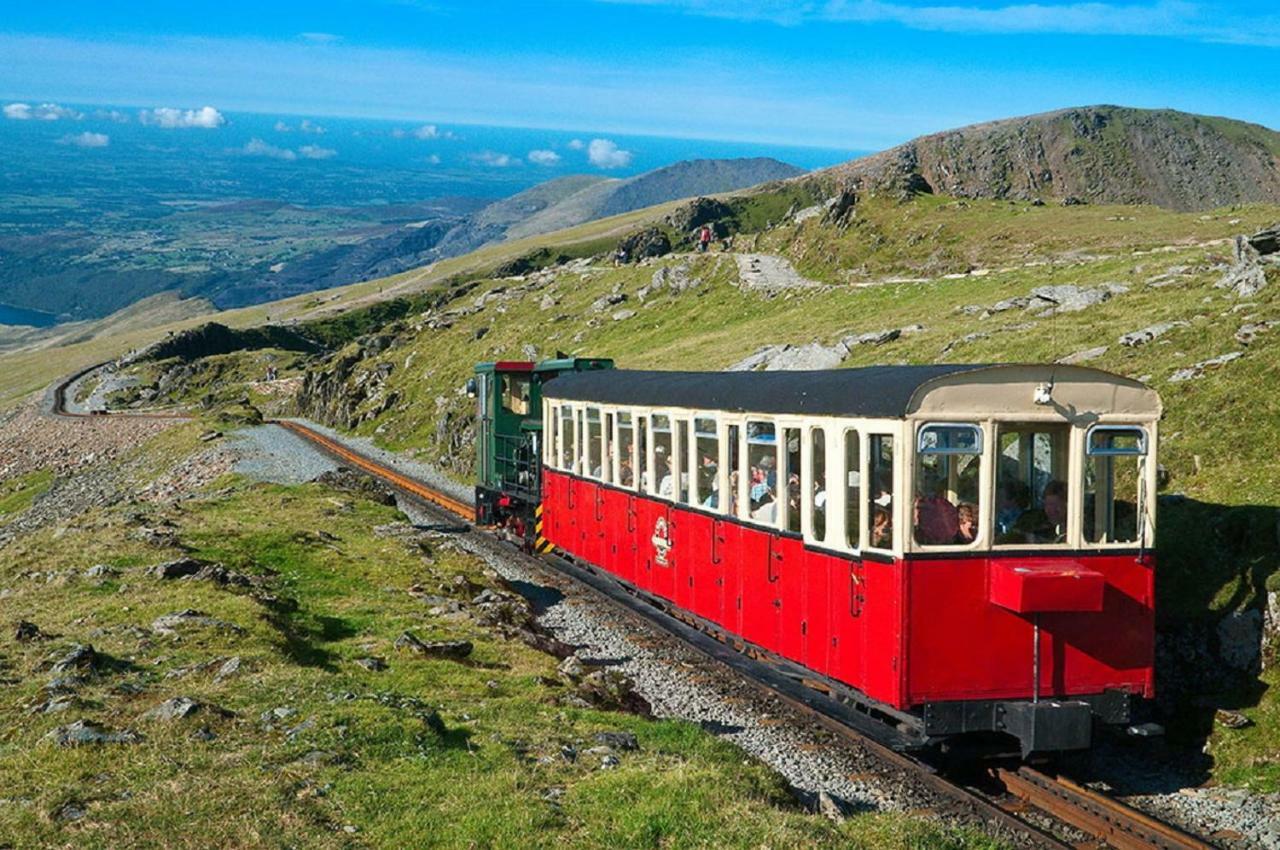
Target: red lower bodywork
x=904, y=632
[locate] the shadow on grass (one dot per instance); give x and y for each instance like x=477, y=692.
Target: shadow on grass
x=304, y=634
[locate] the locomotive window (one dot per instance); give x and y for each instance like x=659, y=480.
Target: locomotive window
x=595, y=443
x=663, y=458
x=1113, y=484
x=566, y=438
x=707, y=450
x=945, y=511
x=515, y=394
x=853, y=488
x=818, y=492
x=880, y=493
x=791, y=444
x=762, y=473
x=626, y=451
x=1031, y=484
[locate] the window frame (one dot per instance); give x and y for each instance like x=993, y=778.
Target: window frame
x=1143, y=446
x=1146, y=500
x=983, y=539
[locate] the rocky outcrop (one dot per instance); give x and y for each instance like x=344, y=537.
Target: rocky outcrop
x=1094, y=154
x=213, y=338
x=650, y=242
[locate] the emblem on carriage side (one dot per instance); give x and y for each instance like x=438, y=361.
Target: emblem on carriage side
x=661, y=541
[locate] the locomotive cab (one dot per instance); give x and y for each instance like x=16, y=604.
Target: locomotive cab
x=508, y=395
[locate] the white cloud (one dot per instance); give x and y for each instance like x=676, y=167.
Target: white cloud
x=316, y=152
x=43, y=112
x=308, y=126
x=206, y=117
x=398, y=133
x=113, y=115
x=433, y=159
x=257, y=147
x=282, y=127
x=543, y=157
x=576, y=144
x=496, y=160
x=603, y=153
x=86, y=140
x=428, y=131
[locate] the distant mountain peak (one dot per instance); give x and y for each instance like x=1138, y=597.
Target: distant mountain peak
x=1098, y=154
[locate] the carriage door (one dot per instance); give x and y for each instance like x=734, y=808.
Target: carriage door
x=761, y=592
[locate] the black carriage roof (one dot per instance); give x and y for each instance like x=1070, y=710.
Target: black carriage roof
x=871, y=391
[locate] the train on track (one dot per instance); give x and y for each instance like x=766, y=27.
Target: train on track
x=963, y=552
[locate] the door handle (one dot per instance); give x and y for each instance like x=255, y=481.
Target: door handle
x=773, y=577
x=716, y=541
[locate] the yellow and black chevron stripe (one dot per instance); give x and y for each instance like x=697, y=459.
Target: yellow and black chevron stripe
x=540, y=543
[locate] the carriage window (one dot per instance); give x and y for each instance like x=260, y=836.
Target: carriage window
x=853, y=488
x=734, y=477
x=580, y=442
x=818, y=462
x=681, y=458
x=707, y=463
x=515, y=394
x=880, y=493
x=791, y=443
x=948, y=458
x=663, y=457
x=610, y=450
x=1113, y=484
x=1031, y=484
x=762, y=472
x=642, y=452
x=566, y=438
x=595, y=443
x=626, y=451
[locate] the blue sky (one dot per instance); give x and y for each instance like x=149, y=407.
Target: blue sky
x=850, y=74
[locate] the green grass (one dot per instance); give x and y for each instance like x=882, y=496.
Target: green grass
x=18, y=494
x=428, y=753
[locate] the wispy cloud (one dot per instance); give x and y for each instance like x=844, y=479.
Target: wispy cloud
x=495, y=159
x=605, y=153
x=1200, y=21
x=316, y=152
x=309, y=126
x=113, y=115
x=257, y=147
x=427, y=132
x=86, y=140
x=282, y=127
x=206, y=117
x=576, y=144
x=43, y=112
x=544, y=157
x=320, y=37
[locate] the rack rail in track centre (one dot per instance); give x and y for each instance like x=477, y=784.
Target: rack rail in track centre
x=1110, y=822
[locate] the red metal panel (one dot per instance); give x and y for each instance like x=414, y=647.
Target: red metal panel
x=789, y=566
x=962, y=646
x=758, y=588
x=695, y=574
x=618, y=545
x=880, y=625
x=816, y=650
x=728, y=545
x=1033, y=586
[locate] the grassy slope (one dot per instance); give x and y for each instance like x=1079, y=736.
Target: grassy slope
x=369, y=766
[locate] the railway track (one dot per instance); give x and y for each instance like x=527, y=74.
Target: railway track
x=1028, y=808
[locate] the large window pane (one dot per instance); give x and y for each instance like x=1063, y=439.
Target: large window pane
x=595, y=443
x=948, y=460
x=853, y=488
x=626, y=450
x=1031, y=484
x=706, y=479
x=762, y=470
x=880, y=493
x=791, y=453
x=515, y=394
x=818, y=461
x=1113, y=485
x=566, y=438
x=663, y=456
x=735, y=475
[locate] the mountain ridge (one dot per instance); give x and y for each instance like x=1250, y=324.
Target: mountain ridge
x=1097, y=154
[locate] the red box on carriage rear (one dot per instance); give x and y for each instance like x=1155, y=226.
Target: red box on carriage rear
x=1028, y=587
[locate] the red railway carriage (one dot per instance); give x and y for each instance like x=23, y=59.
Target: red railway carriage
x=959, y=548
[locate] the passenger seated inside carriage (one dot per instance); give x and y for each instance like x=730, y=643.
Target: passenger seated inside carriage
x=881, y=529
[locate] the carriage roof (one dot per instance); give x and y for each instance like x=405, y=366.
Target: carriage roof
x=870, y=392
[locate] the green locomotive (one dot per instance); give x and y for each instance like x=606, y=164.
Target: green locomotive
x=508, y=397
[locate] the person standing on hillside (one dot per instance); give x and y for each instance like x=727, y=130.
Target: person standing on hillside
x=704, y=238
